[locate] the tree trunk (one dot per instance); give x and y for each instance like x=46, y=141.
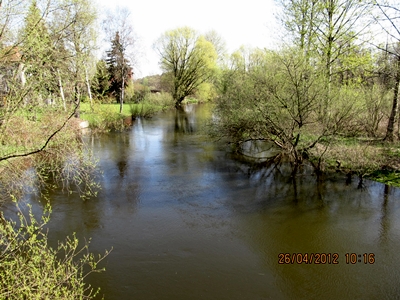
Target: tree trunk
x=77, y=100
x=393, y=115
x=88, y=88
x=61, y=90
x=121, y=99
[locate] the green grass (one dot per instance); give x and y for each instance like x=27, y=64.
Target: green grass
x=190, y=100
x=111, y=108
x=105, y=117
x=387, y=177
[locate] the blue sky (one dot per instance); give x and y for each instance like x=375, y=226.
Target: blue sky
x=250, y=23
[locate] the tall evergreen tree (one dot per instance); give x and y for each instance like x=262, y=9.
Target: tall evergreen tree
x=119, y=69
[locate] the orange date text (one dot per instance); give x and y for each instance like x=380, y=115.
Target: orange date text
x=308, y=258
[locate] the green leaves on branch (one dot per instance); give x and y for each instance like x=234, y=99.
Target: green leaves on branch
x=31, y=269
x=188, y=60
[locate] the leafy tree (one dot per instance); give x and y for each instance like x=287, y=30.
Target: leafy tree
x=219, y=44
x=37, y=52
x=74, y=35
x=42, y=50
x=47, y=145
x=119, y=69
x=339, y=25
x=188, y=59
x=326, y=30
x=298, y=18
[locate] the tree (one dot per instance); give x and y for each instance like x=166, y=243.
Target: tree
x=338, y=26
x=100, y=82
x=119, y=69
x=277, y=97
x=327, y=30
x=37, y=51
x=42, y=48
x=121, y=57
x=388, y=18
x=298, y=18
x=189, y=60
x=219, y=44
x=46, y=146
x=74, y=35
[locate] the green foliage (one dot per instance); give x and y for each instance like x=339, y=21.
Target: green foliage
x=187, y=59
x=100, y=82
x=151, y=104
x=106, y=117
x=41, y=146
x=144, y=110
x=387, y=177
x=31, y=269
x=141, y=90
x=130, y=93
x=205, y=92
x=37, y=50
x=162, y=100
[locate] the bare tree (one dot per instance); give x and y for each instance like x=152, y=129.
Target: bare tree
x=388, y=18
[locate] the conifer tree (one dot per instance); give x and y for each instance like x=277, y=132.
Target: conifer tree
x=119, y=69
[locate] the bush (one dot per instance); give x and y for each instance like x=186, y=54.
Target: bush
x=206, y=92
x=163, y=100
x=30, y=269
x=129, y=93
x=106, y=117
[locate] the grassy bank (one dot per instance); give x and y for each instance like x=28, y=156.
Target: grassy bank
x=106, y=117
x=26, y=146
x=369, y=158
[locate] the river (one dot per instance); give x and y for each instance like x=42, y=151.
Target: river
x=188, y=220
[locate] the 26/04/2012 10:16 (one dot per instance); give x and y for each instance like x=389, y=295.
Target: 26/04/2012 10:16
x=325, y=258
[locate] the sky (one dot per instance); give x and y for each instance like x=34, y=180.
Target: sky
x=250, y=23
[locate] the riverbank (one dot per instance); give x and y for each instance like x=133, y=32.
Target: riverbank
x=369, y=158
x=106, y=117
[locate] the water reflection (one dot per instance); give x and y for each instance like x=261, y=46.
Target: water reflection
x=384, y=222
x=184, y=119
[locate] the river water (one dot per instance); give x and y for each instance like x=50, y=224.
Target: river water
x=188, y=220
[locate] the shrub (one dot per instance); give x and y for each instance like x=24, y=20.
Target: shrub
x=30, y=269
x=129, y=93
x=164, y=100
